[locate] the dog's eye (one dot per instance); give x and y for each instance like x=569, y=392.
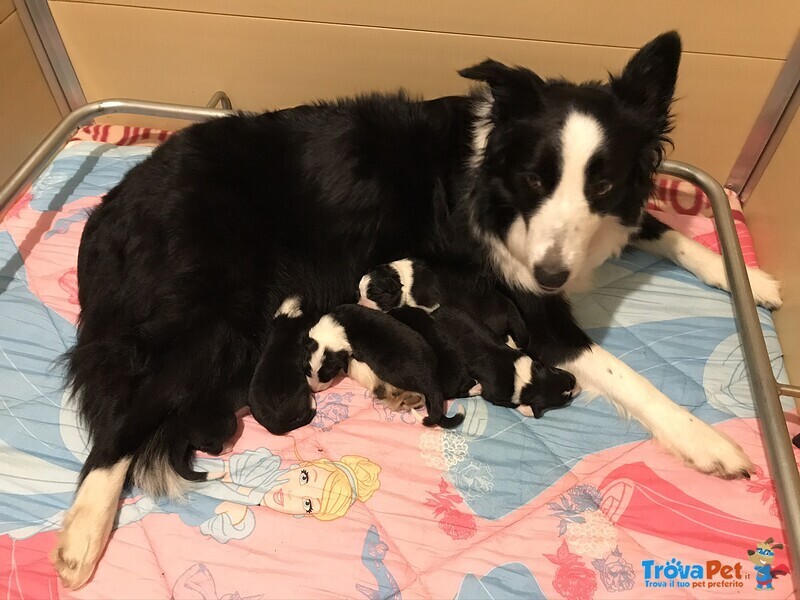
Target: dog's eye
x=534, y=182
x=602, y=188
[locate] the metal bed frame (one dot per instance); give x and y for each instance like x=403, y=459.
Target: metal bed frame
x=766, y=389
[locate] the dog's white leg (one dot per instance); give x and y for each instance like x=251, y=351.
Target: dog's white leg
x=679, y=431
x=709, y=267
x=87, y=525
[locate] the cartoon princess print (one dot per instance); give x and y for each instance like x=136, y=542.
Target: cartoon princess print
x=223, y=506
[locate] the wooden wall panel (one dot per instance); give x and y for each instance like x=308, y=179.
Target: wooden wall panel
x=27, y=108
x=6, y=8
x=773, y=213
x=736, y=27
x=266, y=63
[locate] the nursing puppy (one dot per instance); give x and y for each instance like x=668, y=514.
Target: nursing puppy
x=452, y=373
x=375, y=350
x=507, y=376
x=279, y=397
x=411, y=282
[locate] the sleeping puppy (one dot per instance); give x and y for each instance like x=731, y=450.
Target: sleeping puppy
x=508, y=376
x=410, y=282
x=473, y=324
x=377, y=351
x=452, y=373
x=279, y=397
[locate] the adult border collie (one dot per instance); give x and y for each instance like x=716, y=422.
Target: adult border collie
x=527, y=182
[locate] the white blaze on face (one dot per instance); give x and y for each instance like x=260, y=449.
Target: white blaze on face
x=363, y=293
x=563, y=230
x=405, y=271
x=330, y=336
x=522, y=376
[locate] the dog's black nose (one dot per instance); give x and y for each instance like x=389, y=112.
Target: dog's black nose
x=550, y=279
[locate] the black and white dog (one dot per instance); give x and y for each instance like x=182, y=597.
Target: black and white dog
x=532, y=183
x=376, y=349
x=473, y=321
x=410, y=282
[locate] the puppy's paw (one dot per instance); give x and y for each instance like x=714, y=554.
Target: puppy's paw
x=525, y=410
x=766, y=289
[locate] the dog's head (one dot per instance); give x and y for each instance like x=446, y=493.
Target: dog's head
x=563, y=171
x=326, y=353
x=404, y=282
x=541, y=387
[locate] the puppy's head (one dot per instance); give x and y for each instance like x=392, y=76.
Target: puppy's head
x=562, y=170
x=404, y=282
x=326, y=353
x=381, y=289
x=541, y=387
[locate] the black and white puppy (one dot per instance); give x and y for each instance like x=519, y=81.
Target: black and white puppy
x=279, y=397
x=467, y=336
x=375, y=350
x=452, y=372
x=411, y=282
x=508, y=376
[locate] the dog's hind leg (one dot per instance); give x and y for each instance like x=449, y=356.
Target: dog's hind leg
x=686, y=436
x=705, y=264
x=87, y=524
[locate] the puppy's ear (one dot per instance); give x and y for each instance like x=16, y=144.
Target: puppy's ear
x=778, y=546
x=648, y=80
x=769, y=540
x=516, y=90
x=426, y=290
x=751, y=552
x=342, y=360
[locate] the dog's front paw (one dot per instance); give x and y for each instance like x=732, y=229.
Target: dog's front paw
x=707, y=450
x=766, y=289
x=79, y=549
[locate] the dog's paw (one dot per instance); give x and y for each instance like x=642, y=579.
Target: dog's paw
x=707, y=450
x=79, y=549
x=766, y=289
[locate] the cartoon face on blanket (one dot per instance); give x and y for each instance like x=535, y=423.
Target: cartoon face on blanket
x=224, y=507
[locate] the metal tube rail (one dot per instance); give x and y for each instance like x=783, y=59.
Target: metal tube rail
x=765, y=389
x=784, y=389
x=60, y=135
x=780, y=453
x=220, y=98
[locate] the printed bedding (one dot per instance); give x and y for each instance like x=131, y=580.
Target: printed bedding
x=576, y=505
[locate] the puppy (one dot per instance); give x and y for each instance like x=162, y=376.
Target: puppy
x=279, y=397
x=377, y=351
x=411, y=282
x=508, y=376
x=452, y=373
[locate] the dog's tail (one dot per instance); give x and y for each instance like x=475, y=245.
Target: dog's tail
x=162, y=465
x=435, y=404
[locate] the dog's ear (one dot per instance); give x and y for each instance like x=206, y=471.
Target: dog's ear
x=648, y=80
x=516, y=90
x=769, y=540
x=778, y=546
x=751, y=552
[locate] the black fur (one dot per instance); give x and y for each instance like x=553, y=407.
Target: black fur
x=279, y=398
x=465, y=289
x=398, y=355
x=184, y=263
x=491, y=363
x=452, y=373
